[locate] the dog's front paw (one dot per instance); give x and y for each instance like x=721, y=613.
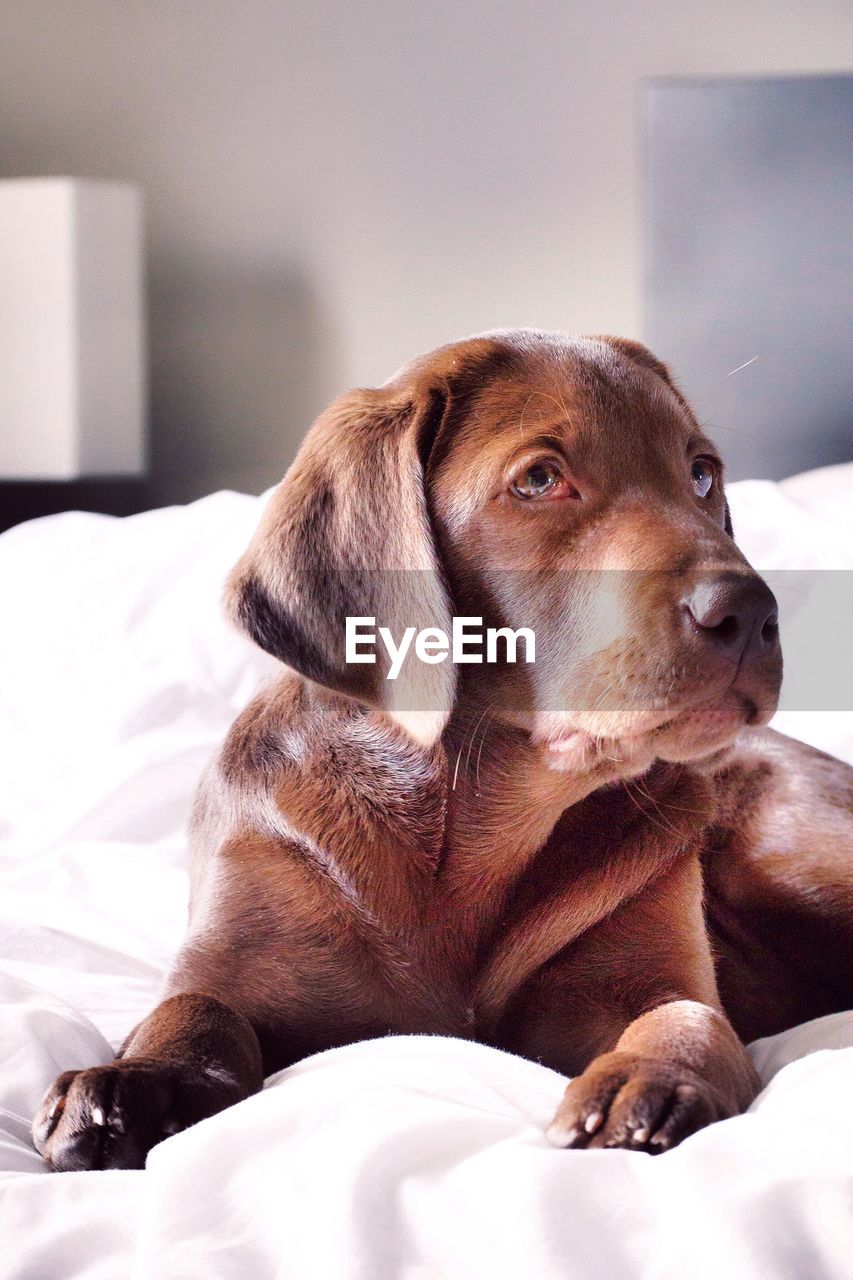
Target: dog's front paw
x=638, y=1103
x=110, y=1117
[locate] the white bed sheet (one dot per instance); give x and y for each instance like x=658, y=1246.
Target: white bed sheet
x=411, y=1157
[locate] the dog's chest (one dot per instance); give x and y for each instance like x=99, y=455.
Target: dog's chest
x=456, y=896
x=508, y=898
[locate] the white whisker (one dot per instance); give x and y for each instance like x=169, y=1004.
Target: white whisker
x=745, y=365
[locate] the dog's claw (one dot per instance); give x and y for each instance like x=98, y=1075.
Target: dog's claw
x=560, y=1137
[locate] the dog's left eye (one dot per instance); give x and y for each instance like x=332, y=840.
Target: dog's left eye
x=702, y=474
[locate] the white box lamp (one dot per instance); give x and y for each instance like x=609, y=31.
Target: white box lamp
x=72, y=348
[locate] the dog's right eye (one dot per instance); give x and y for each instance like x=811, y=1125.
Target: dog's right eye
x=542, y=479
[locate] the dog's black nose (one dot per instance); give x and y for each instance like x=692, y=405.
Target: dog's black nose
x=736, y=612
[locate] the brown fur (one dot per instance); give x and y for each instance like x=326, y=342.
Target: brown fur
x=590, y=861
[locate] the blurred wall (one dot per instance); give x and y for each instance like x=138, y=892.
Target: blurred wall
x=332, y=188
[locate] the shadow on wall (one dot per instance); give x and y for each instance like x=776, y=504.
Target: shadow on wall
x=239, y=366
x=239, y=361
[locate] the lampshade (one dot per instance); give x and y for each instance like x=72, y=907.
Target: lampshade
x=72, y=358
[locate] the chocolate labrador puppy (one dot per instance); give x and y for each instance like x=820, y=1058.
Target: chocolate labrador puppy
x=598, y=859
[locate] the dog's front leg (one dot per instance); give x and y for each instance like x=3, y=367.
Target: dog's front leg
x=674, y=1070
x=190, y=1058
x=640, y=1016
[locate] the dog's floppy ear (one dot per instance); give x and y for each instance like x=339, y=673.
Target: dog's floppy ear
x=347, y=534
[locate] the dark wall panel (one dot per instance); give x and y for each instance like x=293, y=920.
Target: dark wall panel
x=748, y=209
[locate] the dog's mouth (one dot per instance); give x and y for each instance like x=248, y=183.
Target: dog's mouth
x=695, y=732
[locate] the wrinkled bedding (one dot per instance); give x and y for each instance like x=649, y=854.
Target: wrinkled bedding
x=409, y=1157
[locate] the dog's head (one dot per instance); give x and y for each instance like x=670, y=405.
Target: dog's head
x=534, y=481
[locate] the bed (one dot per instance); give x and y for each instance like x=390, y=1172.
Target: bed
x=413, y=1157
